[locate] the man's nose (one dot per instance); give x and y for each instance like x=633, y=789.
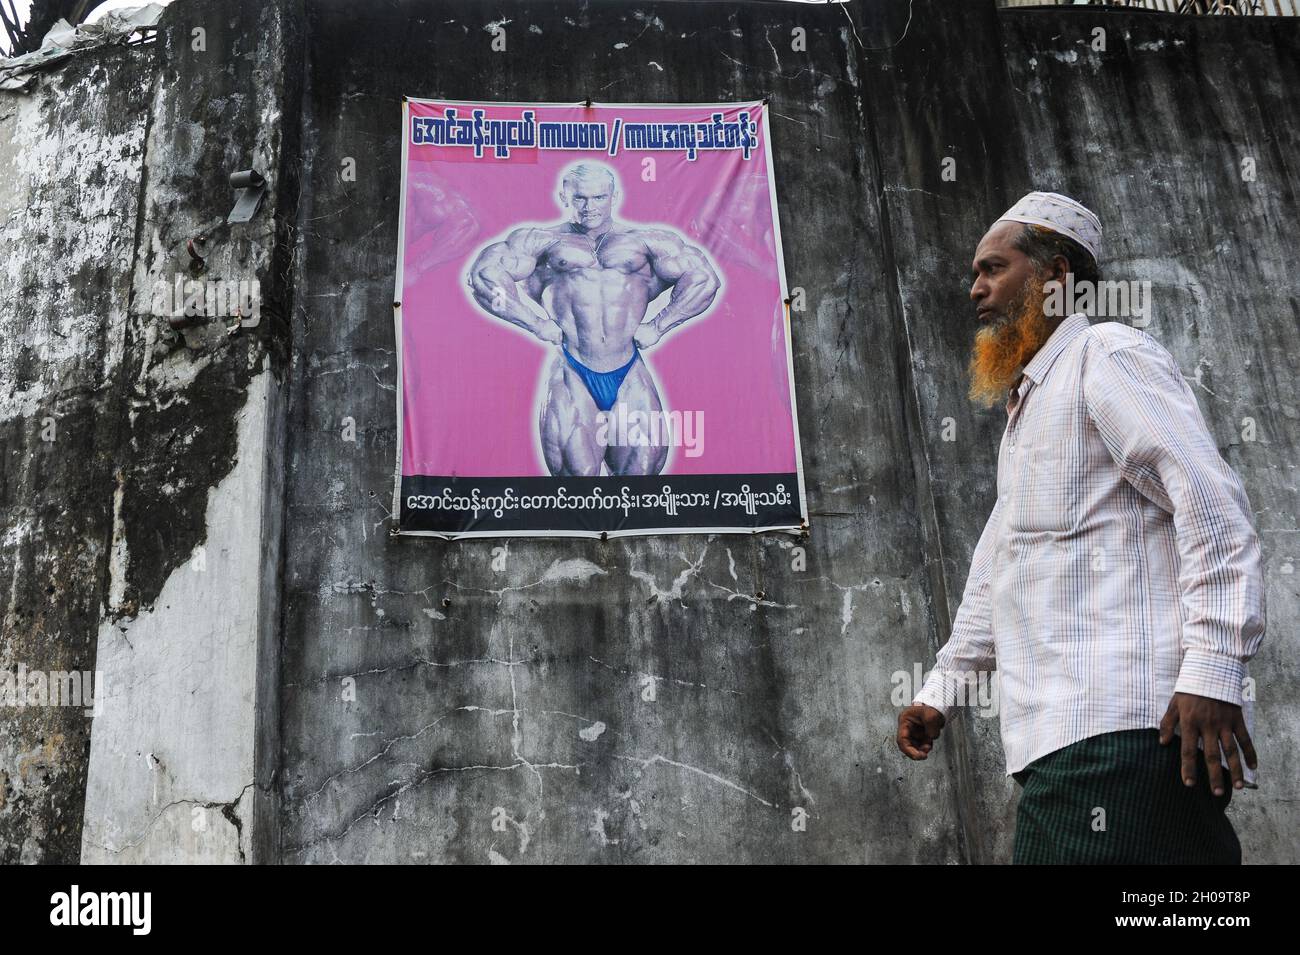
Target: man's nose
x=978, y=290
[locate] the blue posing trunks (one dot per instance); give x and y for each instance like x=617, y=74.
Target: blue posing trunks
x=602, y=385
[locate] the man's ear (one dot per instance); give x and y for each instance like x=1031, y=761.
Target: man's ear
x=1059, y=268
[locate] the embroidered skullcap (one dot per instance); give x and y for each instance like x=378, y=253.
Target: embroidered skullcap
x=1051, y=210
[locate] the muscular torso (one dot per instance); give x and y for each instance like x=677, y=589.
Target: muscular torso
x=598, y=291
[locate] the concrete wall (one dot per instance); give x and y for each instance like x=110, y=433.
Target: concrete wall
x=189, y=669
x=1160, y=146
x=142, y=540
x=1151, y=133
x=70, y=179
x=524, y=699
x=320, y=692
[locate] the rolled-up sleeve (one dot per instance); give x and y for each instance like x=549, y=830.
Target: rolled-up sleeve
x=971, y=648
x=1150, y=422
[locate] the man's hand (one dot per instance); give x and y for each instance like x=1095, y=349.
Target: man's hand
x=1214, y=723
x=918, y=727
x=550, y=332
x=646, y=335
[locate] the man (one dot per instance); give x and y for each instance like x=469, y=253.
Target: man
x=1117, y=583
x=602, y=277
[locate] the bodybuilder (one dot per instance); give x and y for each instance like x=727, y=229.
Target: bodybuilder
x=601, y=276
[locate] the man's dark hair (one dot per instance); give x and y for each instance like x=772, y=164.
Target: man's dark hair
x=1042, y=245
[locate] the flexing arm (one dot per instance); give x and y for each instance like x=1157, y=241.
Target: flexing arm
x=687, y=269
x=494, y=273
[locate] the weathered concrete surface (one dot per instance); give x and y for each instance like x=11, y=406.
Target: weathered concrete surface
x=526, y=699
x=946, y=151
x=1159, y=146
x=172, y=775
x=648, y=699
x=882, y=242
x=117, y=159
x=178, y=769
x=70, y=169
x=1151, y=134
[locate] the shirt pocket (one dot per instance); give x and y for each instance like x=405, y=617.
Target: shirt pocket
x=1045, y=497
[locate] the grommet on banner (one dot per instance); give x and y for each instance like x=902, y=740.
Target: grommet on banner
x=588, y=103
x=604, y=535
x=399, y=304
x=394, y=530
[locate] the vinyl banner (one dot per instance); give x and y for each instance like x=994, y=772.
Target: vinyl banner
x=592, y=326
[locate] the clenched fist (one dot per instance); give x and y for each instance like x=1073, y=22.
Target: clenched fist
x=918, y=727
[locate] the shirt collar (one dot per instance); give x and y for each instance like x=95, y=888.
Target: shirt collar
x=1065, y=333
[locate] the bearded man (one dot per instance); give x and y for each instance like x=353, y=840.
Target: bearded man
x=1117, y=582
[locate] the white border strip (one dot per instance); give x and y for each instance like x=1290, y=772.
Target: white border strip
x=785, y=297
x=396, y=515
x=601, y=535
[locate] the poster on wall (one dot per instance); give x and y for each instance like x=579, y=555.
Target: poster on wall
x=592, y=327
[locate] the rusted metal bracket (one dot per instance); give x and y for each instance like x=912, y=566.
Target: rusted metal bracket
x=251, y=187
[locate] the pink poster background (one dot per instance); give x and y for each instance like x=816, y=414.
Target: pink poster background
x=472, y=383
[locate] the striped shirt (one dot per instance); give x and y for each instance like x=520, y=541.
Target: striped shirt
x=1120, y=564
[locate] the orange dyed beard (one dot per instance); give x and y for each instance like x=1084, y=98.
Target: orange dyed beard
x=1002, y=350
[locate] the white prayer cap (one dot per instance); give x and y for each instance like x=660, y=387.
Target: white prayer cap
x=1051, y=210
